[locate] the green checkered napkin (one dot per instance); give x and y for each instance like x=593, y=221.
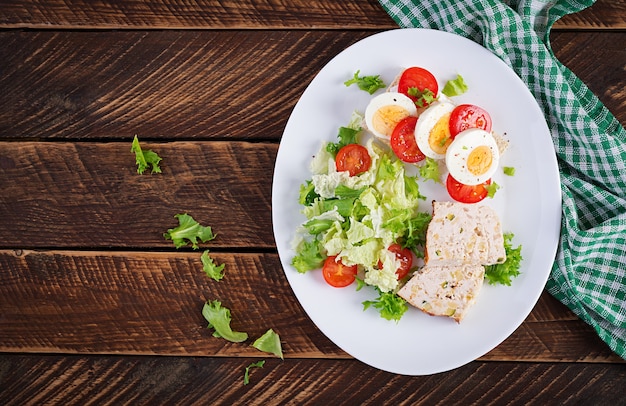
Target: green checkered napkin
x=589, y=274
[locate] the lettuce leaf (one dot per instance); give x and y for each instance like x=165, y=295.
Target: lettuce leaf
x=246, y=375
x=143, y=159
x=309, y=256
x=190, y=230
x=370, y=84
x=503, y=273
x=430, y=170
x=269, y=342
x=455, y=87
x=209, y=267
x=390, y=305
x=219, y=320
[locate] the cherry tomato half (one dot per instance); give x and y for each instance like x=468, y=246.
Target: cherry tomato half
x=466, y=193
x=403, y=141
x=353, y=158
x=419, y=79
x=337, y=274
x=405, y=256
x=466, y=116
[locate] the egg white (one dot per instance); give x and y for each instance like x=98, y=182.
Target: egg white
x=427, y=121
x=385, y=111
x=464, y=148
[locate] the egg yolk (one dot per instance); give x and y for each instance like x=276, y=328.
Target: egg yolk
x=479, y=160
x=387, y=117
x=439, y=137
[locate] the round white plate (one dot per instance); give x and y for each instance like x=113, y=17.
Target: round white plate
x=529, y=203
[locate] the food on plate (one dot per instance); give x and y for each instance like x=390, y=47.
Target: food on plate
x=432, y=131
x=473, y=157
x=413, y=102
x=466, y=116
x=364, y=220
x=419, y=85
x=460, y=240
x=469, y=194
x=386, y=110
x=444, y=290
x=353, y=158
x=403, y=141
x=460, y=234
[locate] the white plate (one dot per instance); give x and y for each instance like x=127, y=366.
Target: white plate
x=529, y=203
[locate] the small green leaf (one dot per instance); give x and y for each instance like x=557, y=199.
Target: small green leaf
x=190, y=230
x=369, y=84
x=246, y=375
x=430, y=170
x=390, y=305
x=455, y=87
x=503, y=273
x=492, y=188
x=309, y=257
x=423, y=98
x=508, y=170
x=143, y=159
x=219, y=320
x=269, y=342
x=209, y=267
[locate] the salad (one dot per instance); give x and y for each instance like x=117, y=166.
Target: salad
x=362, y=202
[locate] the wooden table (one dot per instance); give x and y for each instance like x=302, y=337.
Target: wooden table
x=97, y=307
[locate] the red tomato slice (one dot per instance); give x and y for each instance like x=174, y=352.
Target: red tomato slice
x=466, y=116
x=337, y=274
x=420, y=79
x=466, y=193
x=353, y=158
x=405, y=257
x=403, y=141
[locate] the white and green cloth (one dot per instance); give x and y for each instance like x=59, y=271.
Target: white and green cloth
x=589, y=273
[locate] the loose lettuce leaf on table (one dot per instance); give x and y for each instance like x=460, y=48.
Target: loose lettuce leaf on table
x=143, y=159
x=219, y=320
x=246, y=375
x=190, y=230
x=269, y=342
x=211, y=269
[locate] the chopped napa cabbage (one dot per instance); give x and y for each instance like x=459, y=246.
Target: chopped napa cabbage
x=357, y=218
x=319, y=164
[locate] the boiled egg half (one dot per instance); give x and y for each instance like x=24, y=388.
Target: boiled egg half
x=386, y=110
x=432, y=130
x=473, y=157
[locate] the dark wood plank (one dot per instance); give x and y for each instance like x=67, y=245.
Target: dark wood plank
x=193, y=85
x=602, y=14
x=173, y=84
x=150, y=303
x=197, y=14
x=603, y=70
x=78, y=380
x=320, y=14
x=146, y=303
x=90, y=194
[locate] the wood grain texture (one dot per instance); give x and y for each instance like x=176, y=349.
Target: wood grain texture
x=216, y=14
x=173, y=84
x=604, y=73
x=196, y=85
x=90, y=194
x=147, y=303
x=80, y=380
x=150, y=303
